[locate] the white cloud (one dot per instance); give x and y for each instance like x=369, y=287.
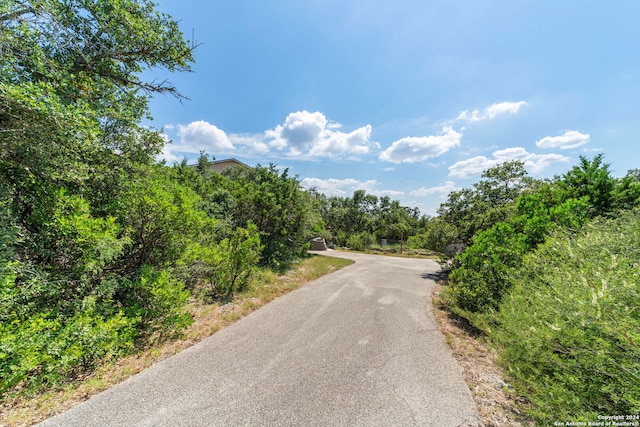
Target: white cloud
x=441, y=190
x=249, y=144
x=512, y=153
x=472, y=166
x=346, y=187
x=337, y=187
x=390, y=193
x=335, y=144
x=309, y=135
x=490, y=112
x=503, y=108
x=569, y=139
x=539, y=162
x=533, y=162
x=202, y=136
x=417, y=149
x=299, y=132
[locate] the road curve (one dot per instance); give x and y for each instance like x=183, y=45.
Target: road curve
x=358, y=347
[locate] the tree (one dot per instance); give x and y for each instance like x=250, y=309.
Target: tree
x=72, y=95
x=489, y=201
x=436, y=235
x=394, y=221
x=592, y=179
x=277, y=205
x=91, y=50
x=480, y=276
x=627, y=191
x=569, y=329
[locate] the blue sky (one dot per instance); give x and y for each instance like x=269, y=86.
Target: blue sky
x=410, y=99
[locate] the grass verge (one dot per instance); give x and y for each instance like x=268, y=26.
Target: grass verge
x=495, y=399
x=208, y=319
x=397, y=252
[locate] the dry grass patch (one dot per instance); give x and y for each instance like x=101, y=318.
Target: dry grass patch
x=395, y=252
x=208, y=319
x=493, y=396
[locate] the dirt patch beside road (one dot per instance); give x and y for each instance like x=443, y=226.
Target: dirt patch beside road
x=496, y=405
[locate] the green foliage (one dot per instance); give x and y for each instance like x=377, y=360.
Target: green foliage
x=82, y=276
x=436, y=235
x=393, y=221
x=562, y=311
x=162, y=218
x=92, y=51
x=345, y=218
x=226, y=267
x=82, y=245
x=569, y=328
x=490, y=200
x=278, y=206
x=156, y=299
x=361, y=241
x=591, y=179
x=480, y=274
x=480, y=281
x=45, y=349
x=72, y=97
x=626, y=194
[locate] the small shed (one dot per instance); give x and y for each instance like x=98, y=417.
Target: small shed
x=318, y=244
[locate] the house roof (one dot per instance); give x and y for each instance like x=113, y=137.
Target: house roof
x=221, y=165
x=225, y=161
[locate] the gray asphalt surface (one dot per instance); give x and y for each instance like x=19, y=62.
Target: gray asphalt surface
x=358, y=347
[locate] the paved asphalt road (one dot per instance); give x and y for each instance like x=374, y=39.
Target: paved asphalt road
x=358, y=347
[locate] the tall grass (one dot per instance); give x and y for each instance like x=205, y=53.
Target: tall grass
x=570, y=327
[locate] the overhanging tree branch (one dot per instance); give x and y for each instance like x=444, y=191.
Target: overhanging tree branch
x=16, y=13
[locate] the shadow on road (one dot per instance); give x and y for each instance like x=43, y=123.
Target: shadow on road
x=433, y=276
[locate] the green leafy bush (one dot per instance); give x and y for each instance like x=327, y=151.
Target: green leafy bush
x=45, y=349
x=436, y=235
x=481, y=276
x=225, y=267
x=162, y=218
x=361, y=241
x=479, y=282
x=570, y=327
x=157, y=300
x=88, y=228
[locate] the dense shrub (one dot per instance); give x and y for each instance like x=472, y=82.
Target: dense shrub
x=46, y=348
x=161, y=217
x=436, y=235
x=570, y=332
x=277, y=205
x=481, y=274
x=361, y=241
x=479, y=283
x=223, y=268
